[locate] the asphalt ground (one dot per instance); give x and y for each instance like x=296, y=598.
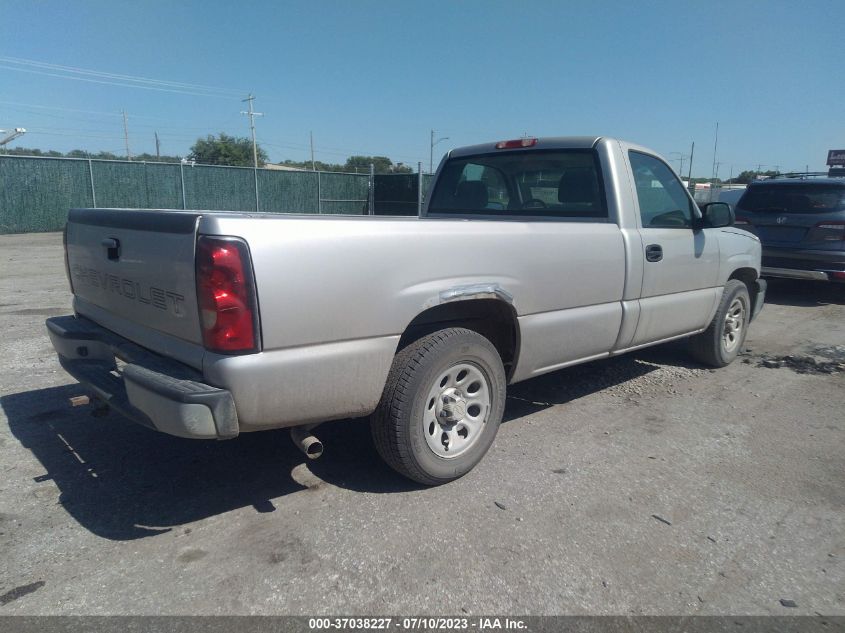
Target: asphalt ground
x=644, y=484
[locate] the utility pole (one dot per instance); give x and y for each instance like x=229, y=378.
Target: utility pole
x=691, y=154
x=126, y=135
x=311, y=134
x=681, y=157
x=715, y=147
x=431, y=153
x=158, y=146
x=252, y=114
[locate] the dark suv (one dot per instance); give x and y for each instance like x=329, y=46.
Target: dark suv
x=801, y=224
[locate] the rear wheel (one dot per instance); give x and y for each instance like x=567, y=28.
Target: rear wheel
x=441, y=406
x=722, y=341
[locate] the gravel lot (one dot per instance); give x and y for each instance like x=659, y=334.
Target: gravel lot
x=639, y=485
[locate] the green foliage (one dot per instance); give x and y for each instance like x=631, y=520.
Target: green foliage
x=81, y=153
x=382, y=165
x=747, y=176
x=26, y=151
x=355, y=164
x=306, y=165
x=233, y=151
x=225, y=150
x=152, y=158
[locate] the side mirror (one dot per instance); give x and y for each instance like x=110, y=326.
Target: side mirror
x=715, y=215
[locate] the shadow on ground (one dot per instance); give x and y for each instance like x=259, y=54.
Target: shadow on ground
x=122, y=481
x=804, y=294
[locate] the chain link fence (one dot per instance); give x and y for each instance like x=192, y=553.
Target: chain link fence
x=36, y=192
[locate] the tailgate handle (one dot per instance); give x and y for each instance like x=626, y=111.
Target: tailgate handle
x=112, y=246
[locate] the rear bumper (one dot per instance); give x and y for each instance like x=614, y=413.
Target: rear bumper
x=821, y=265
x=156, y=392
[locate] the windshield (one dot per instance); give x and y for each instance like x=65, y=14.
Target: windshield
x=562, y=183
x=797, y=198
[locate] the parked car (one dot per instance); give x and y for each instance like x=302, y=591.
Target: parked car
x=529, y=256
x=801, y=223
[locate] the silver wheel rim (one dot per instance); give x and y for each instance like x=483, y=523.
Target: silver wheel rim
x=456, y=410
x=734, y=324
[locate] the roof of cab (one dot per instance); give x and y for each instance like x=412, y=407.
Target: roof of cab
x=549, y=142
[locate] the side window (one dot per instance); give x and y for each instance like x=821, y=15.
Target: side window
x=663, y=201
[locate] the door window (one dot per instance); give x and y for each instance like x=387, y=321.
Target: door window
x=663, y=201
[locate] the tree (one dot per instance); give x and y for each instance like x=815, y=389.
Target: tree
x=306, y=165
x=747, y=176
x=26, y=151
x=382, y=164
x=152, y=158
x=225, y=150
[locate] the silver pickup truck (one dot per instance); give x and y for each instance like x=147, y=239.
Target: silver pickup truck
x=529, y=256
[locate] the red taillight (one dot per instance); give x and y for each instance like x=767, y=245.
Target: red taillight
x=838, y=275
x=226, y=295
x=830, y=231
x=738, y=221
x=516, y=143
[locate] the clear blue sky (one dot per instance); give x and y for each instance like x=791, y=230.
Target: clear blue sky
x=375, y=77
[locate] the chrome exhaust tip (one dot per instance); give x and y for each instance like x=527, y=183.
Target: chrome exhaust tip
x=306, y=442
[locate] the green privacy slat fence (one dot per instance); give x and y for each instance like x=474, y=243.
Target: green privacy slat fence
x=219, y=188
x=343, y=193
x=36, y=193
x=287, y=192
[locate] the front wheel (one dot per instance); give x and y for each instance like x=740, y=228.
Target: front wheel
x=722, y=341
x=441, y=406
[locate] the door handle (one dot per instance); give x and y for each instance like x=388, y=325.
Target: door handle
x=654, y=252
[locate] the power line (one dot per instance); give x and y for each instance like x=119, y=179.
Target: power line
x=117, y=76
x=167, y=129
x=113, y=83
x=61, y=109
x=91, y=118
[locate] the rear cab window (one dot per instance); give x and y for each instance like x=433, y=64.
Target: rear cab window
x=556, y=184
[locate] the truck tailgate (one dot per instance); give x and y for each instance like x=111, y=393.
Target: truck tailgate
x=137, y=266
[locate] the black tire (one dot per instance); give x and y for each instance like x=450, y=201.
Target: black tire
x=399, y=423
x=711, y=347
